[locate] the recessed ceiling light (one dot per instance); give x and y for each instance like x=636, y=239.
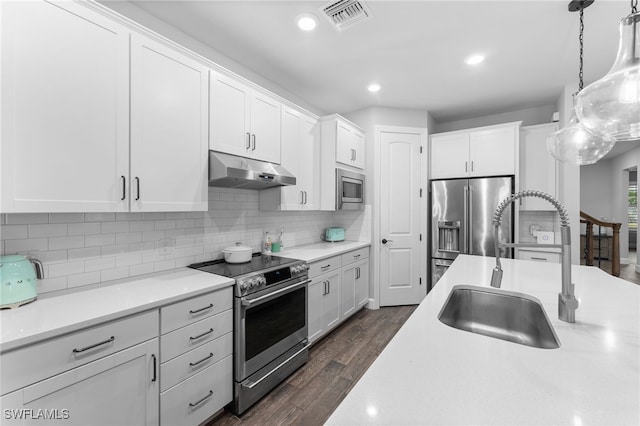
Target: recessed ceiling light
x=374, y=87
x=474, y=59
x=306, y=22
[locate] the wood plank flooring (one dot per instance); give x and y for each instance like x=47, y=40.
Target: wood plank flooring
x=311, y=394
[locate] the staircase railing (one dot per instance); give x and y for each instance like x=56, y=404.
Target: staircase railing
x=615, y=244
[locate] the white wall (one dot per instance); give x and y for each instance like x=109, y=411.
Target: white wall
x=528, y=116
x=79, y=249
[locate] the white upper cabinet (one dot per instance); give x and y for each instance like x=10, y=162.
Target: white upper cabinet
x=349, y=144
x=65, y=109
x=487, y=151
x=96, y=118
x=538, y=169
x=243, y=121
x=169, y=129
x=300, y=157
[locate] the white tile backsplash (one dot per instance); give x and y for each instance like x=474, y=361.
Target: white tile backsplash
x=80, y=249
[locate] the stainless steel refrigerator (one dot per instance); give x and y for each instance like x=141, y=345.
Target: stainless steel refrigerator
x=462, y=219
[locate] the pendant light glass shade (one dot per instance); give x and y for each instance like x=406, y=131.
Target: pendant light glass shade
x=611, y=105
x=575, y=144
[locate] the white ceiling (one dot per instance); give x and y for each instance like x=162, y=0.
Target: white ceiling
x=415, y=49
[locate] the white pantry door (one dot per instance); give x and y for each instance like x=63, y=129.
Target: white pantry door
x=402, y=280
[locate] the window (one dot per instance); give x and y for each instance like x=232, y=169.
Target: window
x=633, y=205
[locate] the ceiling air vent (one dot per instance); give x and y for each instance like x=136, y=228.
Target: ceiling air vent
x=343, y=14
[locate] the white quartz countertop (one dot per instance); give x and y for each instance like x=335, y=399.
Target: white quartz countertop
x=433, y=374
x=51, y=316
x=322, y=250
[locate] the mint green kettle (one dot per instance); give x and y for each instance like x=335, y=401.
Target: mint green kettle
x=18, y=280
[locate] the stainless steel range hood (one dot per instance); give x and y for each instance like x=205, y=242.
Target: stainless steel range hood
x=231, y=171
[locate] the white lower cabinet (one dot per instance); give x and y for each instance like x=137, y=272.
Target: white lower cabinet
x=355, y=287
x=97, y=382
x=339, y=287
x=196, y=364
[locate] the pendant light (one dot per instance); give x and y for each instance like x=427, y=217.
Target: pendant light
x=574, y=143
x=611, y=105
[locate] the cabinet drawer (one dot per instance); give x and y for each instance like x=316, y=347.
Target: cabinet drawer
x=189, y=311
x=186, y=338
x=540, y=256
x=324, y=266
x=30, y=364
x=354, y=256
x=199, y=397
x=194, y=361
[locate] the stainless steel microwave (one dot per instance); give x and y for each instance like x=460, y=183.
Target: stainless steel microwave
x=349, y=190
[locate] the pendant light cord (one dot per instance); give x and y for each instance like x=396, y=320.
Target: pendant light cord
x=581, y=38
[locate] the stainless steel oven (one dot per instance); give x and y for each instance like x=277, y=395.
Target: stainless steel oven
x=270, y=330
x=349, y=190
x=271, y=338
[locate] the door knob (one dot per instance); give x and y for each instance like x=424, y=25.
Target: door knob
x=385, y=241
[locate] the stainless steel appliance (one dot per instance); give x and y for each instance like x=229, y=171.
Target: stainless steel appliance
x=462, y=219
x=232, y=171
x=349, y=190
x=270, y=323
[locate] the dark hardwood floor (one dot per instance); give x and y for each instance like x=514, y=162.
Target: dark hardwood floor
x=627, y=272
x=311, y=394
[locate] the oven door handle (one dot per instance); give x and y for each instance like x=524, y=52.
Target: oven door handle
x=252, y=385
x=266, y=297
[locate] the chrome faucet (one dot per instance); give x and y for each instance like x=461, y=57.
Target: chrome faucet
x=567, y=302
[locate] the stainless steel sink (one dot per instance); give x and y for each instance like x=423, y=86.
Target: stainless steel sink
x=502, y=314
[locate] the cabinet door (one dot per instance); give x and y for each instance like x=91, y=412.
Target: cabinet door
x=10, y=407
x=331, y=301
x=265, y=128
x=169, y=104
x=65, y=109
x=291, y=197
x=314, y=308
x=120, y=389
x=309, y=171
x=449, y=156
x=538, y=168
x=229, y=115
x=358, y=148
x=362, y=283
x=493, y=152
x=348, y=291
x=345, y=139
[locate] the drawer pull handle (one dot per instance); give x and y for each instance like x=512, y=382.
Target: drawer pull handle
x=201, y=335
x=538, y=258
x=155, y=368
x=356, y=256
x=193, y=404
x=201, y=309
x=326, y=266
x=77, y=351
x=193, y=364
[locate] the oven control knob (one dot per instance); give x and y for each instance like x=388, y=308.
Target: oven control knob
x=261, y=281
x=294, y=270
x=243, y=286
x=253, y=283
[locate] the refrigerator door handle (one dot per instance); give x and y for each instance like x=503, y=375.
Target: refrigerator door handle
x=470, y=219
x=465, y=234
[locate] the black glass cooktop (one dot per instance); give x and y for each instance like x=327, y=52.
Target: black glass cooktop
x=258, y=263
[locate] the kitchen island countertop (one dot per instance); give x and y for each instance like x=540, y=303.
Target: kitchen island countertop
x=432, y=374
